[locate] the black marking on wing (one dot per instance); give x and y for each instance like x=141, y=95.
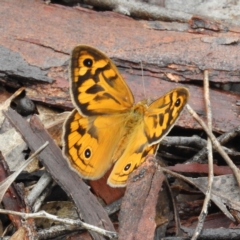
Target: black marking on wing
x=141, y=148
x=95, y=89
x=88, y=75
x=155, y=137
x=109, y=80
x=105, y=96
x=146, y=151
x=78, y=145
x=93, y=132
x=84, y=109
x=81, y=130
x=161, y=119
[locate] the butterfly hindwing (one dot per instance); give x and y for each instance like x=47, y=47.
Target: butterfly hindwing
x=127, y=164
x=87, y=144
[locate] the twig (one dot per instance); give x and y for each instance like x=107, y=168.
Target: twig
x=39, y=187
x=223, y=139
x=226, y=137
x=216, y=144
x=58, y=230
x=113, y=207
x=172, y=157
x=38, y=203
x=200, y=143
x=207, y=199
x=193, y=141
x=4, y=185
x=55, y=231
x=143, y=82
x=213, y=233
x=43, y=214
x=177, y=175
x=175, y=210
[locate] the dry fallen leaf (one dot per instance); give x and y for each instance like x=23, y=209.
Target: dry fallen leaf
x=19, y=234
x=225, y=192
x=6, y=104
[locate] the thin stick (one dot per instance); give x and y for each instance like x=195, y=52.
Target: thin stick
x=175, y=211
x=113, y=207
x=38, y=203
x=223, y=139
x=216, y=144
x=143, y=82
x=43, y=214
x=42, y=183
x=176, y=175
x=207, y=199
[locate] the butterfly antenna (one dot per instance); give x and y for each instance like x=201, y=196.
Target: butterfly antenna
x=143, y=82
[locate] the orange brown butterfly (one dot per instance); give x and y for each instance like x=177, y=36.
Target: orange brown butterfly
x=107, y=129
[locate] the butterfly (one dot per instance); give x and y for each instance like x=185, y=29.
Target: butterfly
x=107, y=129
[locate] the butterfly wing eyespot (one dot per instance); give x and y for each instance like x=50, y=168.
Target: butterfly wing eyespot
x=126, y=168
x=88, y=153
x=178, y=102
x=88, y=62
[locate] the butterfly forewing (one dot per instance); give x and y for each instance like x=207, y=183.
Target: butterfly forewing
x=163, y=113
x=96, y=86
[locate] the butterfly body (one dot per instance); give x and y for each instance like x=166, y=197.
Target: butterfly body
x=107, y=129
